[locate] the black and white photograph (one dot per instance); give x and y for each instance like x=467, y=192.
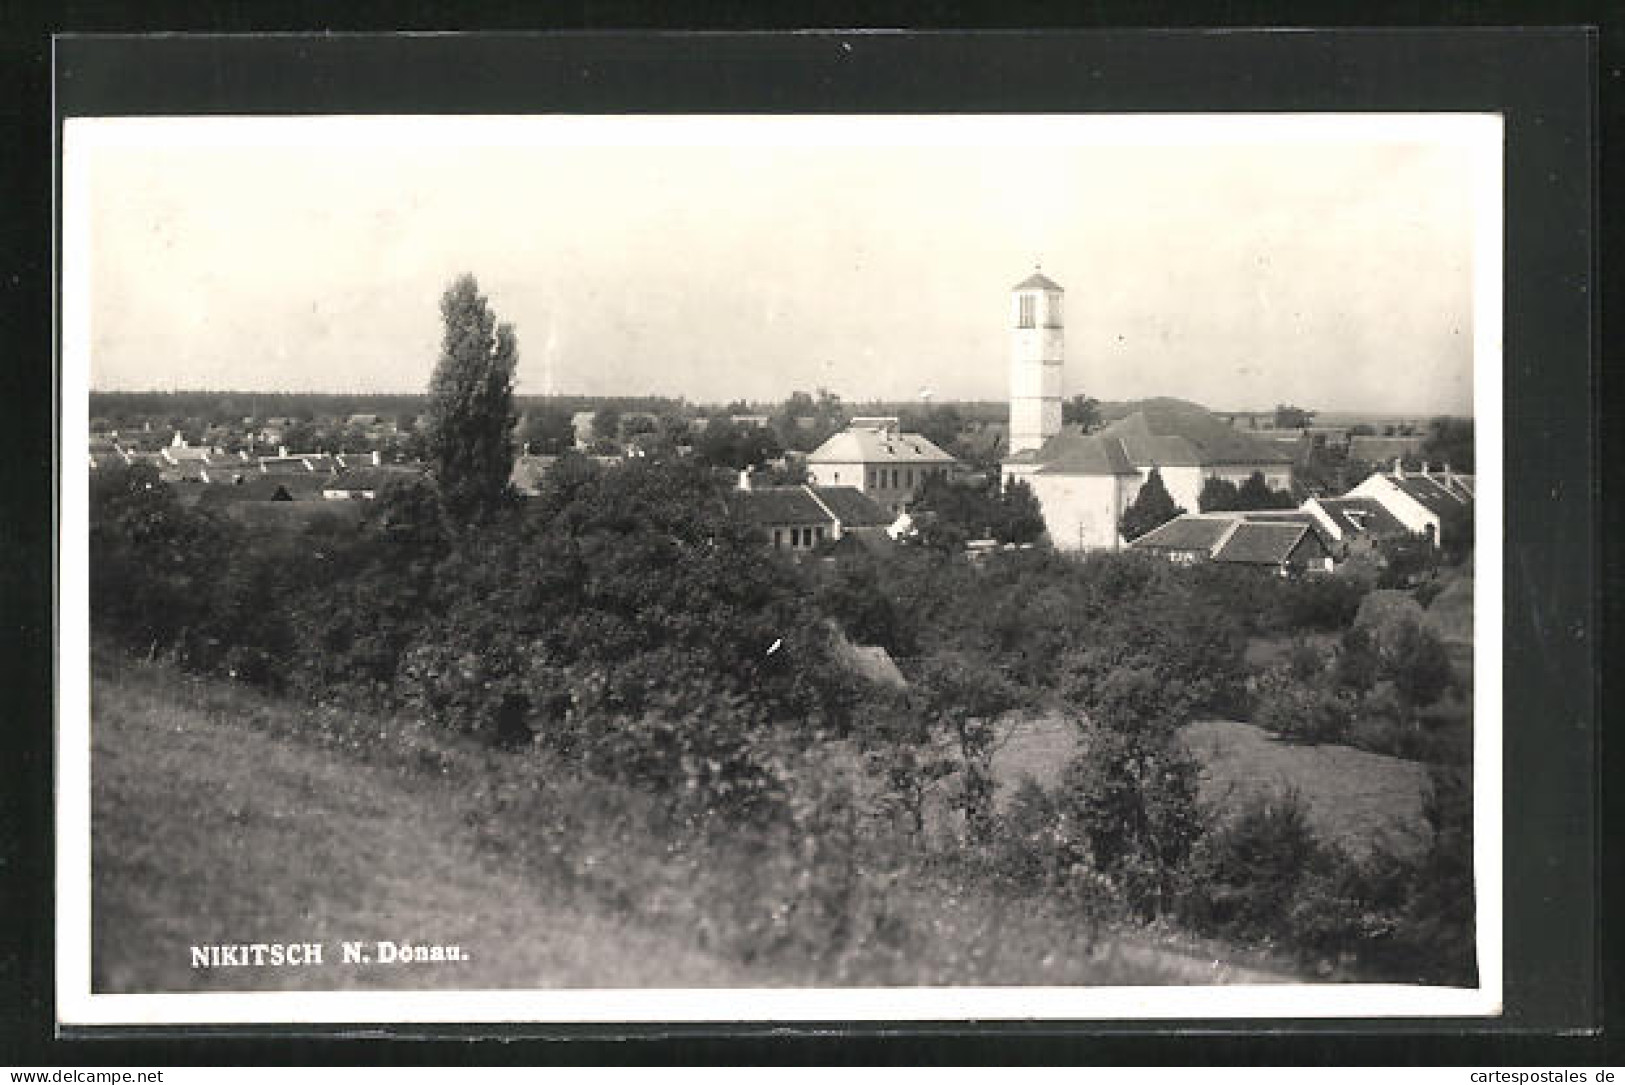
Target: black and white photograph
x=796, y=567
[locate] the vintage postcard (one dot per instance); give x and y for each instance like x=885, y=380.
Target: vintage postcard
x=780, y=568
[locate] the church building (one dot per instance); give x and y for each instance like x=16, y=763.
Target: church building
x=1084, y=482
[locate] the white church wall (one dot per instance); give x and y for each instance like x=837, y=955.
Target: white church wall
x=1081, y=511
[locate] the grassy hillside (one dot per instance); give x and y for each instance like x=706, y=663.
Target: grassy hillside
x=1354, y=798
x=223, y=816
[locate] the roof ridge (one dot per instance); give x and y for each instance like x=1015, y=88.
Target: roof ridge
x=836, y=520
x=1224, y=538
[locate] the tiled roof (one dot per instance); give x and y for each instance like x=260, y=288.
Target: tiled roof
x=876, y=446
x=256, y=489
x=1189, y=439
x=363, y=479
x=1362, y=516
x=1070, y=454
x=1256, y=543
x=1431, y=493
x=528, y=471
x=853, y=507
x=1189, y=532
x=778, y=505
x=1037, y=281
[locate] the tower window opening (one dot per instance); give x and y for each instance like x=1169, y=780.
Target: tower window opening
x=1025, y=317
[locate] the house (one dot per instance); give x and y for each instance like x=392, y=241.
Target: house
x=581, y=426
x=528, y=471
x=358, y=485
x=802, y=518
x=1355, y=524
x=874, y=457
x=1421, y=500
x=1280, y=545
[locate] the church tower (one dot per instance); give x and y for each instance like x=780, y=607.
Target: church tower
x=1036, y=358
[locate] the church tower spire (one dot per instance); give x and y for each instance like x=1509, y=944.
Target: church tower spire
x=1037, y=355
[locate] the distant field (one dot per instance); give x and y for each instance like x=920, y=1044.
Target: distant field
x=1354, y=797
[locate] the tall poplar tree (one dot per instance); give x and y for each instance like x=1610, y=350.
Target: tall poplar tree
x=471, y=416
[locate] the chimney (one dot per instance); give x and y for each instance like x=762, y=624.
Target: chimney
x=1424, y=467
x=744, y=479
x=378, y=459
x=1399, y=467
x=281, y=451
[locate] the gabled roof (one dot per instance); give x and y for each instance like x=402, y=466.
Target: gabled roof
x=877, y=446
x=1429, y=492
x=1038, y=281
x=1189, y=439
x=1071, y=454
x=852, y=507
x=1190, y=532
x=527, y=473
x=778, y=505
x=1258, y=543
x=1362, y=516
x=373, y=479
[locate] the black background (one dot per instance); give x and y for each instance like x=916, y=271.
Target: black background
x=1545, y=82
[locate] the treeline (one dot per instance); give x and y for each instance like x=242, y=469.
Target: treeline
x=219, y=408
x=622, y=625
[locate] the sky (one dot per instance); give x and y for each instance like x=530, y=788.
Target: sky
x=1237, y=262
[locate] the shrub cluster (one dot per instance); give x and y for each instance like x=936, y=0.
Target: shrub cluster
x=1263, y=876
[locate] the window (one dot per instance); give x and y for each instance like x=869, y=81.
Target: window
x=818, y=534
x=1052, y=312
x=778, y=538
x=872, y=483
x=909, y=478
x=894, y=478
x=837, y=478
x=1025, y=319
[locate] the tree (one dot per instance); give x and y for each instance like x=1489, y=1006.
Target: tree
x=1082, y=411
x=471, y=418
x=1152, y=507
x=1218, y=495
x=1022, y=519
x=1289, y=417
x=546, y=431
x=1255, y=493
x=606, y=423
x=1450, y=441
x=966, y=700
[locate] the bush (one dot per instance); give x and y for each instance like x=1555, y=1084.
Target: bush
x=1326, y=603
x=1301, y=710
x=1246, y=872
x=1418, y=664
x=1132, y=801
x=1357, y=662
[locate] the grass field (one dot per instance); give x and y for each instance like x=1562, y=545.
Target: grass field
x=1354, y=798
x=213, y=822
x=204, y=831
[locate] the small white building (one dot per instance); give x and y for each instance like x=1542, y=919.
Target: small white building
x=1421, y=500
